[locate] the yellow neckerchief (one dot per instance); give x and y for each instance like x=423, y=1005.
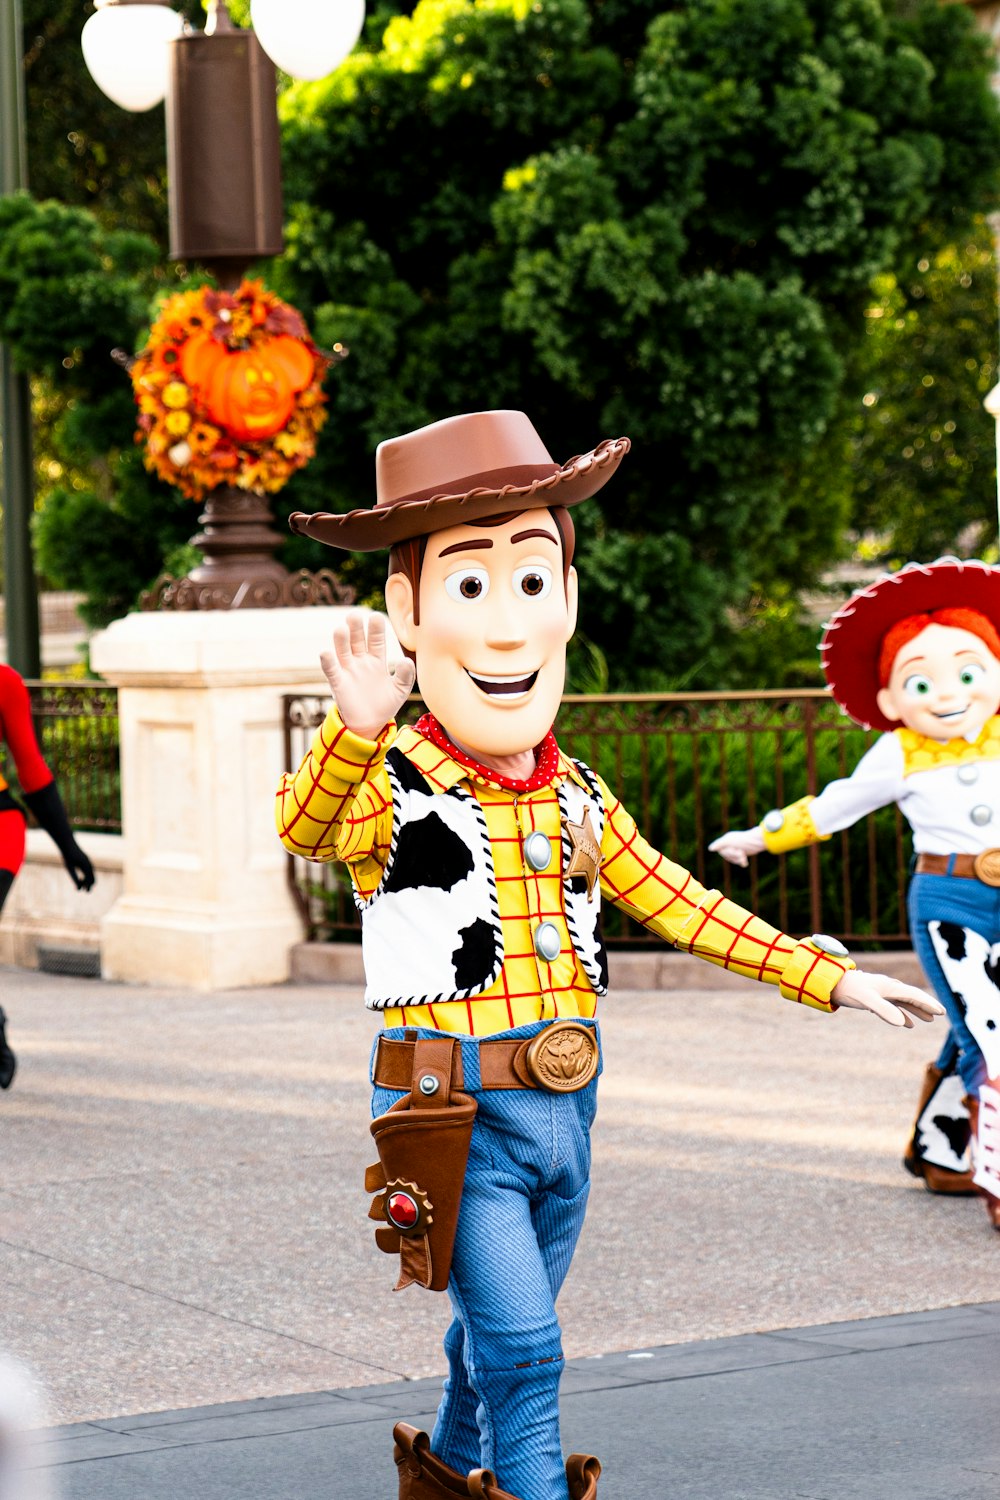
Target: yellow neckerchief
x=920, y=753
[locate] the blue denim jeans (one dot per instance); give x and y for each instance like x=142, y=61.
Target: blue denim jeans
x=522, y=1210
x=968, y=903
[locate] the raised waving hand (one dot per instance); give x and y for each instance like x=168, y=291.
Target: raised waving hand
x=368, y=695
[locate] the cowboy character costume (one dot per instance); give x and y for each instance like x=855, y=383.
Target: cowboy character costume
x=480, y=854
x=917, y=655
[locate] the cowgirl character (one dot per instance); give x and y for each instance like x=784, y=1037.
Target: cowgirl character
x=480, y=854
x=917, y=654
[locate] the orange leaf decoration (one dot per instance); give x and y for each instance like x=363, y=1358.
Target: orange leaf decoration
x=250, y=374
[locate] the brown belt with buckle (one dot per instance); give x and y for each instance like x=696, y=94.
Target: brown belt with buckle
x=984, y=866
x=561, y=1059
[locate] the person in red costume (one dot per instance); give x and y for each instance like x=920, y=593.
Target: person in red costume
x=40, y=793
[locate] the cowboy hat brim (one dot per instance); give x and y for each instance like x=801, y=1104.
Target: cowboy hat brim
x=401, y=520
x=852, y=641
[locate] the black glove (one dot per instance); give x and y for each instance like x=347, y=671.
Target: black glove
x=47, y=806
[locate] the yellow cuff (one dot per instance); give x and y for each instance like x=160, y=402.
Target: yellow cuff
x=343, y=756
x=814, y=971
x=791, y=827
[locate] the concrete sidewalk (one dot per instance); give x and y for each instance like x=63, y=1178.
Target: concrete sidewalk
x=182, y=1225
x=889, y=1409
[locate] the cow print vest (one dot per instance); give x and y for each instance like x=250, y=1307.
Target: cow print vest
x=431, y=930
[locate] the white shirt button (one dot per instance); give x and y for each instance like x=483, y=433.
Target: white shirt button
x=968, y=775
x=981, y=815
x=547, y=943
x=538, y=851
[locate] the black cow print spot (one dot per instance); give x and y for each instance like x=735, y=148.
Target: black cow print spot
x=957, y=1132
x=954, y=936
x=474, y=957
x=429, y=854
x=602, y=957
x=407, y=774
x=991, y=1025
x=992, y=968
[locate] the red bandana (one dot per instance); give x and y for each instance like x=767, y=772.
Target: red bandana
x=546, y=759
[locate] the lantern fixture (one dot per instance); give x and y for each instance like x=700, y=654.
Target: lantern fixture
x=124, y=47
x=308, y=38
x=125, y=41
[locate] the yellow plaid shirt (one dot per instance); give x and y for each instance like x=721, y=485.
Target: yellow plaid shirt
x=338, y=805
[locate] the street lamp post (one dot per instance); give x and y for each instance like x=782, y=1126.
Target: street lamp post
x=20, y=594
x=224, y=187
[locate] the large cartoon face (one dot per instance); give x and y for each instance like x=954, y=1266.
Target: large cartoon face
x=491, y=631
x=943, y=684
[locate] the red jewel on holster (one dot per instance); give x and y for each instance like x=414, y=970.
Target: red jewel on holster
x=423, y=1146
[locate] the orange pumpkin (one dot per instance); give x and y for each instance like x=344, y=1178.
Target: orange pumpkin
x=251, y=393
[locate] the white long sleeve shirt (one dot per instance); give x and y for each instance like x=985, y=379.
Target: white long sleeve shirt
x=948, y=791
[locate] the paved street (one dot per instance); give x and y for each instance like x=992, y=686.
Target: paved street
x=182, y=1223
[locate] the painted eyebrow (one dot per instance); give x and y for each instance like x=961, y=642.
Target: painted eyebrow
x=464, y=546
x=522, y=536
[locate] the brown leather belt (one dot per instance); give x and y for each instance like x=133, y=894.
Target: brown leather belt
x=561, y=1059
x=984, y=866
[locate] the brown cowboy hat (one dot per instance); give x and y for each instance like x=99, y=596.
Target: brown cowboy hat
x=463, y=469
x=852, y=641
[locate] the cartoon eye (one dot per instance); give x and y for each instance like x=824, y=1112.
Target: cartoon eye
x=468, y=583
x=917, y=686
x=534, y=582
x=971, y=674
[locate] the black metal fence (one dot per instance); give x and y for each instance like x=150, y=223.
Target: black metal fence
x=77, y=728
x=688, y=766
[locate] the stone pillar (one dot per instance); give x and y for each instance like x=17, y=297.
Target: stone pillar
x=205, y=901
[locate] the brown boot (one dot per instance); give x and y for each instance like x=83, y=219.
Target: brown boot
x=424, y=1476
x=582, y=1473
x=986, y=1150
x=937, y=1179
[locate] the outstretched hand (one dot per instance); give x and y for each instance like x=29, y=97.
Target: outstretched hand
x=367, y=694
x=737, y=843
x=889, y=999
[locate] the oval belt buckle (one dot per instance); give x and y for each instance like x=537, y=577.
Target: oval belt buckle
x=563, y=1058
x=986, y=867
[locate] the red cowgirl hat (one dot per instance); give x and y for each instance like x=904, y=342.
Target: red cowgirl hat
x=465, y=468
x=852, y=641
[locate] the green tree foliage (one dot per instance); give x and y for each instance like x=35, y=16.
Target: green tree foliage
x=70, y=292
x=923, y=448
x=76, y=151
x=658, y=220
x=623, y=216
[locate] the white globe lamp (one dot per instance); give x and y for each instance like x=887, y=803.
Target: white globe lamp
x=307, y=38
x=125, y=47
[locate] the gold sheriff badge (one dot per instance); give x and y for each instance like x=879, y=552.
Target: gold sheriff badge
x=586, y=857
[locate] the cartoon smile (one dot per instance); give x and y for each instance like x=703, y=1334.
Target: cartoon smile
x=510, y=689
x=953, y=713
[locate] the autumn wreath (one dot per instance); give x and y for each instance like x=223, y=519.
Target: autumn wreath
x=229, y=390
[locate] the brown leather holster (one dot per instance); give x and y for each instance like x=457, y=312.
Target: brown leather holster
x=423, y=1148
